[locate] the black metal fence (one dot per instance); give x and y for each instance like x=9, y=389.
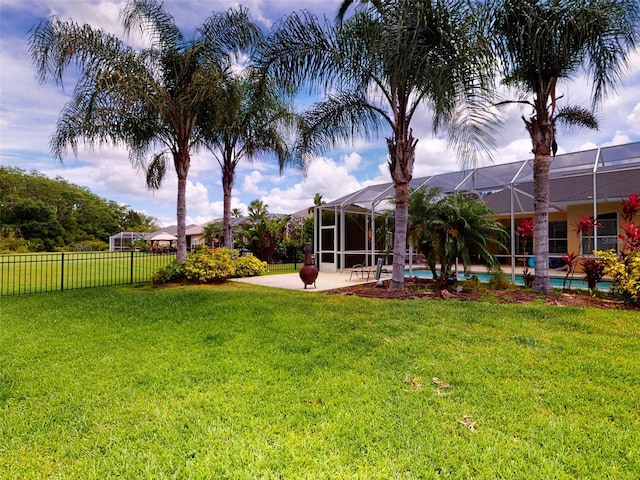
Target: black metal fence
x=47, y=272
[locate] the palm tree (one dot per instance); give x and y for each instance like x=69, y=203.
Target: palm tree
x=264, y=230
x=453, y=227
x=256, y=209
x=236, y=212
x=317, y=202
x=380, y=65
x=249, y=119
x=149, y=100
x=421, y=234
x=541, y=43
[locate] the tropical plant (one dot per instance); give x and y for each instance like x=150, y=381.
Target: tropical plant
x=212, y=233
x=538, y=45
x=624, y=272
x=264, y=231
x=453, y=228
x=624, y=269
x=250, y=118
x=569, y=261
x=585, y=228
x=524, y=231
x=593, y=269
x=420, y=230
x=150, y=100
x=381, y=65
x=631, y=237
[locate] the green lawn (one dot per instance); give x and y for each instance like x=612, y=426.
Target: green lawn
x=48, y=272
x=238, y=381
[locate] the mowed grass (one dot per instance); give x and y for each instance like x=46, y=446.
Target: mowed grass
x=239, y=381
x=47, y=272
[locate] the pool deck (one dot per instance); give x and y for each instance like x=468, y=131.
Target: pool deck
x=333, y=280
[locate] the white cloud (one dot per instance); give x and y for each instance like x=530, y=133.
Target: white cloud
x=251, y=184
x=28, y=113
x=633, y=119
x=325, y=176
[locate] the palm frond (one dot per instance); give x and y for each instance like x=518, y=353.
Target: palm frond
x=156, y=170
x=575, y=116
x=149, y=18
x=338, y=119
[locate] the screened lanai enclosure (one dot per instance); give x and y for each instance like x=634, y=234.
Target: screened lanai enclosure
x=356, y=228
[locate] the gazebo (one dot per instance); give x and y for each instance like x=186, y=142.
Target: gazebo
x=591, y=182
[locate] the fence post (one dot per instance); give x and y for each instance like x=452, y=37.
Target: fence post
x=62, y=272
x=131, y=267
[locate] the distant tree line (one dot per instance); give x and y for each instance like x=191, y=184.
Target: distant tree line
x=42, y=214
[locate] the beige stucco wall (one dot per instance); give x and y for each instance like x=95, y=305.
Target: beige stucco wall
x=572, y=216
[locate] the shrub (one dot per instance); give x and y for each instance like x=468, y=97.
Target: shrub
x=527, y=277
x=210, y=266
x=499, y=280
x=90, y=246
x=12, y=244
x=250, y=266
x=170, y=273
x=625, y=274
x=593, y=271
x=201, y=248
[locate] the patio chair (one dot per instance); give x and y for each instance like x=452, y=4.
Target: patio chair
x=360, y=271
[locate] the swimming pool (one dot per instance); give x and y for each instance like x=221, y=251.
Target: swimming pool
x=556, y=282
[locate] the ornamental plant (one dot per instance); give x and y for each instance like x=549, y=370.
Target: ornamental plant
x=624, y=269
x=570, y=260
x=250, y=266
x=524, y=231
x=625, y=274
x=593, y=271
x=585, y=227
x=210, y=266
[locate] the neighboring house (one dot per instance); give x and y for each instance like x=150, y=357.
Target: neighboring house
x=124, y=241
x=588, y=183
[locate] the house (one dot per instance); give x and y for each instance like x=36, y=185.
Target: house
x=352, y=229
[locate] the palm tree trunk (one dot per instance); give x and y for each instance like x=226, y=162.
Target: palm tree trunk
x=400, y=236
x=401, y=158
x=181, y=254
x=227, y=185
x=541, y=165
x=181, y=162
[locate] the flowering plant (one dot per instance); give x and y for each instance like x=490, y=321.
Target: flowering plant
x=570, y=260
x=585, y=227
x=525, y=228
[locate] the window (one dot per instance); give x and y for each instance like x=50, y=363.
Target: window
x=558, y=237
x=607, y=233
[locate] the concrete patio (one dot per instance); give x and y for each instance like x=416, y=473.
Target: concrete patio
x=291, y=281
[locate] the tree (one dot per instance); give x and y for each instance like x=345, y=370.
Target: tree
x=380, y=65
x=236, y=212
x=148, y=100
x=264, y=230
x=317, y=202
x=542, y=43
x=53, y=214
x=454, y=227
x=250, y=118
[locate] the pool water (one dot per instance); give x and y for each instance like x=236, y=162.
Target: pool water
x=556, y=282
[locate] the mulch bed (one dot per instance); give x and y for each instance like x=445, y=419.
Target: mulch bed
x=423, y=289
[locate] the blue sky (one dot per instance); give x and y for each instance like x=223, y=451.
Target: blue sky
x=28, y=114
